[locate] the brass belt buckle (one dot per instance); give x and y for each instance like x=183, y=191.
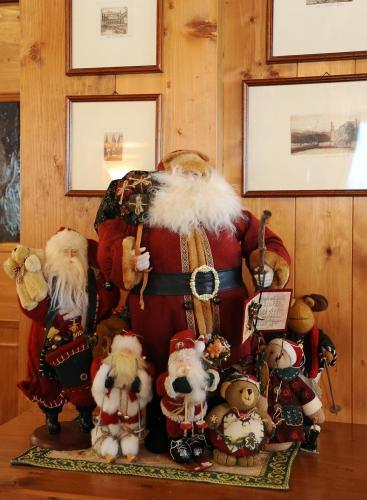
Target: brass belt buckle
x=204, y=297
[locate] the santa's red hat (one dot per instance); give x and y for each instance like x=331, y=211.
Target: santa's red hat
x=127, y=341
x=294, y=351
x=185, y=340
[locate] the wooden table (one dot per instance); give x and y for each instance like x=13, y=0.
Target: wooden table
x=338, y=472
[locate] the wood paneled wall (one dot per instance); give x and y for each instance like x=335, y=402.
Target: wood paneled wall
x=9, y=313
x=201, y=87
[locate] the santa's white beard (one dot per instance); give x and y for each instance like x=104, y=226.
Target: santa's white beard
x=186, y=201
x=187, y=363
x=67, y=282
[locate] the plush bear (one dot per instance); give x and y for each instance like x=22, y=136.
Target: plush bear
x=318, y=350
x=25, y=266
x=237, y=428
x=289, y=396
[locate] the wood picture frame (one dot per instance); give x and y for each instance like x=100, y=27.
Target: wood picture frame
x=9, y=168
x=119, y=138
x=124, y=45
x=315, y=146
x=287, y=13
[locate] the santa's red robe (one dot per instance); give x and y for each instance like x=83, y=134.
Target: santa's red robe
x=40, y=388
x=165, y=315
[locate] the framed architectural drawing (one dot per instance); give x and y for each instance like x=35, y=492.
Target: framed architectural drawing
x=9, y=168
x=113, y=36
x=311, y=30
x=107, y=136
x=315, y=131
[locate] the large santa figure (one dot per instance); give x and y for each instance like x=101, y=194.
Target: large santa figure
x=195, y=235
x=60, y=338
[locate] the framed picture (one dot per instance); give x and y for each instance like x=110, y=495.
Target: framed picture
x=311, y=30
x=107, y=136
x=9, y=168
x=113, y=36
x=305, y=136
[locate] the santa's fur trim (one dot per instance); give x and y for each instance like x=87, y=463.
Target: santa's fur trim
x=185, y=201
x=99, y=390
x=216, y=380
x=312, y=406
x=126, y=342
x=130, y=445
x=145, y=394
x=66, y=239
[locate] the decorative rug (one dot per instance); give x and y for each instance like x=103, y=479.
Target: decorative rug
x=273, y=472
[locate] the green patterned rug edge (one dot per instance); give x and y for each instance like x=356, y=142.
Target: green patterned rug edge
x=276, y=473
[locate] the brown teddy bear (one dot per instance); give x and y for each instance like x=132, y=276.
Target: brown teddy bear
x=289, y=397
x=25, y=266
x=237, y=427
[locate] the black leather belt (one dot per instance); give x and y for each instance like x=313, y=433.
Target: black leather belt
x=179, y=283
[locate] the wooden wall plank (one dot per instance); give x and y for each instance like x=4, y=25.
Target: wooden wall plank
x=8, y=299
x=9, y=376
x=9, y=48
x=323, y=265
x=359, y=359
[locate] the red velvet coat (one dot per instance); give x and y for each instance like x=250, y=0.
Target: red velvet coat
x=42, y=389
x=165, y=315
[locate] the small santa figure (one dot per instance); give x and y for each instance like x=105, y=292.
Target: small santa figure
x=184, y=393
x=122, y=387
x=63, y=327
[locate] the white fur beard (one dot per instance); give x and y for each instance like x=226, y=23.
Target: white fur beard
x=67, y=282
x=185, y=201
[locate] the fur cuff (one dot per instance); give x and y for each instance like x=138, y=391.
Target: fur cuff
x=216, y=379
x=129, y=275
x=169, y=389
x=312, y=406
x=276, y=262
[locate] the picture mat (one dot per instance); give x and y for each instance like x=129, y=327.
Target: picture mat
x=274, y=167
x=89, y=123
x=90, y=49
x=301, y=29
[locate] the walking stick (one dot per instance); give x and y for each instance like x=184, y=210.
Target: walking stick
x=333, y=408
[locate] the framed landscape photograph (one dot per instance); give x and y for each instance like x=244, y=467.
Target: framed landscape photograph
x=107, y=137
x=113, y=36
x=9, y=168
x=311, y=30
x=315, y=132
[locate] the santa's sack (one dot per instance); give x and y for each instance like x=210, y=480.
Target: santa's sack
x=71, y=362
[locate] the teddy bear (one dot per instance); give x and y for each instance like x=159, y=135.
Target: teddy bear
x=25, y=266
x=238, y=427
x=122, y=387
x=289, y=397
x=318, y=349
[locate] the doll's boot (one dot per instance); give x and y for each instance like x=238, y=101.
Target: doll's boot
x=180, y=450
x=310, y=442
x=52, y=418
x=86, y=418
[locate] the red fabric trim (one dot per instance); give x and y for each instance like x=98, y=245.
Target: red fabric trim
x=107, y=419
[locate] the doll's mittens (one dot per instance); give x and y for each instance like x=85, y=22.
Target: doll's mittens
x=136, y=385
x=181, y=385
x=109, y=382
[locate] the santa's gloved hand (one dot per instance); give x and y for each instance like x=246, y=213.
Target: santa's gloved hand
x=181, y=384
x=109, y=382
x=142, y=261
x=264, y=279
x=136, y=385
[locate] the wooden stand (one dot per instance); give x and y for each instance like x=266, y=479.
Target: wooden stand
x=70, y=437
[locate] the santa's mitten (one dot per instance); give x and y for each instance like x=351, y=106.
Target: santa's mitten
x=279, y=266
x=136, y=385
x=181, y=385
x=109, y=382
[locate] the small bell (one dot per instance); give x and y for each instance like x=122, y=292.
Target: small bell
x=119, y=413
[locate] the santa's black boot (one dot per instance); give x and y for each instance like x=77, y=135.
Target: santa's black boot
x=180, y=450
x=52, y=418
x=198, y=445
x=86, y=417
x=310, y=442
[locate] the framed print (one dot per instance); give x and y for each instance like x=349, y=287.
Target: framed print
x=311, y=30
x=315, y=132
x=9, y=168
x=108, y=136
x=113, y=36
